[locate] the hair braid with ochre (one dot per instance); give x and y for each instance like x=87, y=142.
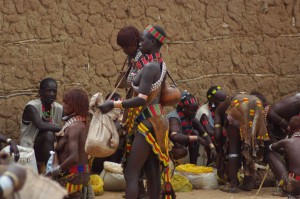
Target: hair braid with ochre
x=128, y=36
x=78, y=99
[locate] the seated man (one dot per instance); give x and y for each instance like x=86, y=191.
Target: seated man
x=205, y=114
x=279, y=115
x=41, y=118
x=242, y=117
x=185, y=129
x=73, y=170
x=288, y=175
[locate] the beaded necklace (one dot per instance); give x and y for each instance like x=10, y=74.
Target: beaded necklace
x=47, y=115
x=296, y=135
x=70, y=121
x=150, y=58
x=187, y=126
x=134, y=69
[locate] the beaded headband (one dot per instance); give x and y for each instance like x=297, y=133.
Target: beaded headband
x=155, y=33
x=213, y=92
x=184, y=101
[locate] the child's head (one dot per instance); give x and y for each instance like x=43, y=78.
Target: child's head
x=294, y=124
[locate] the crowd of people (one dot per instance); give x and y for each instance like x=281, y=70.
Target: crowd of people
x=236, y=131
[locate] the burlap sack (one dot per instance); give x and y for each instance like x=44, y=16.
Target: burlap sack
x=27, y=157
x=103, y=138
x=113, y=177
x=113, y=167
x=40, y=187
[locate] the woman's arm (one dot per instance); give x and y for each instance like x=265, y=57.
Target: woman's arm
x=219, y=116
x=149, y=72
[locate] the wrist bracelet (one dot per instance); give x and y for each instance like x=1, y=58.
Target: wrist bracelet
x=61, y=171
x=270, y=147
x=217, y=125
x=281, y=122
x=8, y=140
x=117, y=104
x=205, y=134
x=211, y=145
x=6, y=185
x=13, y=177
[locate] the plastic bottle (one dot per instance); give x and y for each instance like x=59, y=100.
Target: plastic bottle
x=50, y=162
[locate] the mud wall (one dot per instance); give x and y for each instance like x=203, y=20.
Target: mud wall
x=240, y=45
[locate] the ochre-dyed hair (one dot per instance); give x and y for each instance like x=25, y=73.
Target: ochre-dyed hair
x=128, y=36
x=294, y=124
x=78, y=99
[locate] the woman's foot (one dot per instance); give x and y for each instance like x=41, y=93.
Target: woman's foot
x=279, y=192
x=229, y=189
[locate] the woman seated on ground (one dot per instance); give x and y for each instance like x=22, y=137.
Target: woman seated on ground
x=185, y=129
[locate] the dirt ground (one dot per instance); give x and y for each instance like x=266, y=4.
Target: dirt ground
x=206, y=194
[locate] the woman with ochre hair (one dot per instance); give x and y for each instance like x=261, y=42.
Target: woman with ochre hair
x=147, y=130
x=129, y=39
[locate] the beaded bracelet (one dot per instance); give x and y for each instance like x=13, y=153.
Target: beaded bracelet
x=6, y=185
x=13, y=177
x=211, y=145
x=118, y=105
x=270, y=147
x=8, y=140
x=217, y=125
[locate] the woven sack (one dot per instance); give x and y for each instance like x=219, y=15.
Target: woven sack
x=113, y=167
x=103, y=138
x=113, y=177
x=27, y=157
x=113, y=181
x=40, y=187
x=200, y=177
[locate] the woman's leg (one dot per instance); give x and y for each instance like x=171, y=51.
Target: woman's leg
x=234, y=154
x=43, y=144
x=139, y=153
x=277, y=165
x=194, y=152
x=153, y=176
x=234, y=159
